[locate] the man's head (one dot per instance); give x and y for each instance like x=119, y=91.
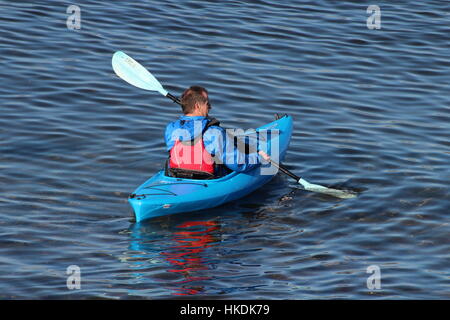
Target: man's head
x=195, y=101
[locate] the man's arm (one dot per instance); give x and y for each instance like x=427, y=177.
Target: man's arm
x=222, y=147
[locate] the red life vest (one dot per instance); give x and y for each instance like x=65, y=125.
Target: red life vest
x=192, y=155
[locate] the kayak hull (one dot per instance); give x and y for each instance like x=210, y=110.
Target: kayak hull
x=161, y=195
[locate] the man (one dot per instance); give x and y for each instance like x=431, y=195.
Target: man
x=199, y=148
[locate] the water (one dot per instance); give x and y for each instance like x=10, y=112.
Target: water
x=371, y=111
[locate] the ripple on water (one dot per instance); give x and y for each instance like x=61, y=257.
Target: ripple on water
x=371, y=111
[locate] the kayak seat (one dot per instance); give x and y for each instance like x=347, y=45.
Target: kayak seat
x=190, y=174
x=186, y=174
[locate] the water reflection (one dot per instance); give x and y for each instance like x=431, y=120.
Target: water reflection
x=184, y=253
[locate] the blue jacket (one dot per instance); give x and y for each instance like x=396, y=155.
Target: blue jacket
x=214, y=139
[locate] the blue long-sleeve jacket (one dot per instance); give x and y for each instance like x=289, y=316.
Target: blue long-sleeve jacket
x=215, y=141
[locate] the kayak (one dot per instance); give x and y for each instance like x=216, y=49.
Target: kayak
x=163, y=195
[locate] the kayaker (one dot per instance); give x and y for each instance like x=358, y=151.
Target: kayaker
x=198, y=147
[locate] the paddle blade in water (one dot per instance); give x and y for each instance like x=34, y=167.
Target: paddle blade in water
x=321, y=189
x=134, y=73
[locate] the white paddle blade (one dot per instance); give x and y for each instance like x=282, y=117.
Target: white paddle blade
x=321, y=189
x=134, y=73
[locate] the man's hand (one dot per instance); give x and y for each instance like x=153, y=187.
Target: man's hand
x=264, y=155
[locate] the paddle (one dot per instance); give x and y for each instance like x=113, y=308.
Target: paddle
x=135, y=74
x=314, y=187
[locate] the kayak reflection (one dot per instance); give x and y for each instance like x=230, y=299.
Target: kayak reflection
x=187, y=256
x=186, y=251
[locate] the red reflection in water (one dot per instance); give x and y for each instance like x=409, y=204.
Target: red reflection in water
x=187, y=256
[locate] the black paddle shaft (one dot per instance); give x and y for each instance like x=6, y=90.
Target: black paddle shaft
x=285, y=170
x=173, y=98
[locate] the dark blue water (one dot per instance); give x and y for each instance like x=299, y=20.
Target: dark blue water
x=371, y=111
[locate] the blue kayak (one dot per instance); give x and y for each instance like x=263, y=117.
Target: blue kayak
x=162, y=195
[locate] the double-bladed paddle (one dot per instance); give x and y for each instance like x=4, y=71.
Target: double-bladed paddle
x=135, y=74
